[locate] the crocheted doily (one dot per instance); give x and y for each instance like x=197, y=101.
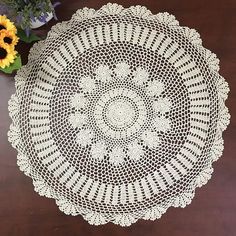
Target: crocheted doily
x=119, y=114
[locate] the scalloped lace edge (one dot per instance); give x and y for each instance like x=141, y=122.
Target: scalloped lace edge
x=153, y=213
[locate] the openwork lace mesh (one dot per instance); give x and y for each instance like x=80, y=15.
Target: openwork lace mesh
x=119, y=114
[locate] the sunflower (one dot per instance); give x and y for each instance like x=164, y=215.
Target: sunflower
x=7, y=55
x=7, y=24
x=8, y=37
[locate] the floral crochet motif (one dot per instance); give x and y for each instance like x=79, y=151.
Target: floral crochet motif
x=120, y=114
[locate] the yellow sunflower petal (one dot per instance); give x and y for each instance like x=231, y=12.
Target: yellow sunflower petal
x=8, y=37
x=7, y=24
x=7, y=55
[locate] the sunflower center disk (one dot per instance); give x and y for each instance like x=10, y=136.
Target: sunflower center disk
x=8, y=40
x=3, y=53
x=2, y=27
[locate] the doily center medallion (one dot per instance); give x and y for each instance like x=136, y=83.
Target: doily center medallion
x=122, y=113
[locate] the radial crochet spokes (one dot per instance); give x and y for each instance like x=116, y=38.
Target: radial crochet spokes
x=118, y=99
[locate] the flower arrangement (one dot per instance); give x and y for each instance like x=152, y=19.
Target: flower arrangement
x=24, y=12
x=9, y=59
x=26, y=15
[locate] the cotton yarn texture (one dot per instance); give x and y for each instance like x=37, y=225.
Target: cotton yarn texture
x=119, y=114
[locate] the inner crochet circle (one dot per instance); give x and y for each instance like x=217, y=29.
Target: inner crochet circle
x=120, y=113
x=145, y=141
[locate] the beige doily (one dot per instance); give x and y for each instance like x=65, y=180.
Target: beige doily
x=119, y=114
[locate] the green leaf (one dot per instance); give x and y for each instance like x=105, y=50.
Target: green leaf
x=14, y=66
x=23, y=37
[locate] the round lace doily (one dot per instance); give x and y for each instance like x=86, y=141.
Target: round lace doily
x=119, y=114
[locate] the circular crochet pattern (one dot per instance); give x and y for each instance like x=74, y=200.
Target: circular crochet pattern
x=119, y=114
